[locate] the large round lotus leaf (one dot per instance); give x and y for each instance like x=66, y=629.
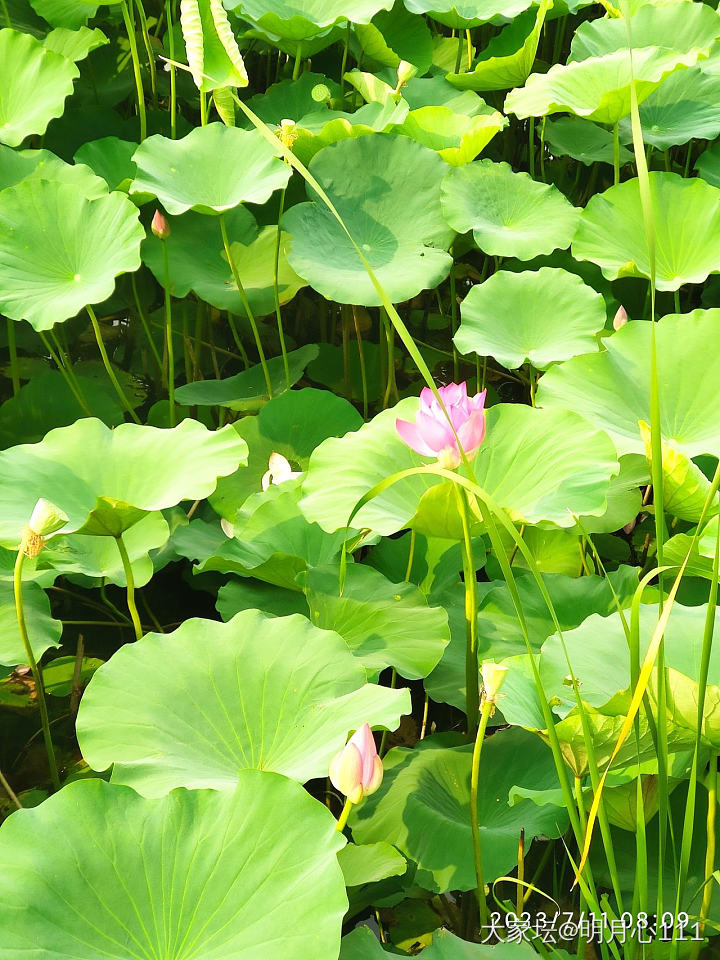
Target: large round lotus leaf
x=301, y=19
x=392, y=36
x=290, y=99
x=686, y=215
x=387, y=191
x=111, y=159
x=197, y=261
x=34, y=83
x=612, y=389
x=195, y=874
x=537, y=317
x=597, y=88
x=61, y=252
x=684, y=107
x=197, y=706
x=464, y=14
x=691, y=28
x=422, y=807
x=76, y=45
x=212, y=169
x=508, y=58
x=538, y=468
x=510, y=214
x=458, y=138
x=291, y=424
x=383, y=623
x=18, y=165
x=105, y=480
x=43, y=630
x=69, y=14
x=708, y=165
x=583, y=140
x=362, y=944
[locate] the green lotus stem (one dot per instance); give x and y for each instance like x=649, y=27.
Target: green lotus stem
x=485, y=713
x=276, y=290
x=145, y=324
x=531, y=146
x=542, y=150
x=149, y=50
x=298, y=61
x=106, y=363
x=12, y=347
x=6, y=14
x=132, y=39
x=458, y=58
x=66, y=377
x=130, y=580
x=65, y=361
x=383, y=739
x=343, y=818
x=168, y=334
x=711, y=784
x=12, y=796
x=246, y=304
x=454, y=320
x=173, y=77
x=203, y=110
x=35, y=669
x=345, y=323
x=472, y=674
x=468, y=38
x=343, y=64
x=616, y=154
x=361, y=358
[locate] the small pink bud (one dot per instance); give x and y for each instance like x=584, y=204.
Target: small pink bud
x=159, y=226
x=432, y=436
x=357, y=771
x=620, y=318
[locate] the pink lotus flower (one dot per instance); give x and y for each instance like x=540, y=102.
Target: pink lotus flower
x=160, y=226
x=431, y=434
x=620, y=318
x=357, y=770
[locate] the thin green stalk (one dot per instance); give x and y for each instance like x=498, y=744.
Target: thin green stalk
x=531, y=146
x=132, y=39
x=144, y=322
x=12, y=347
x=468, y=39
x=711, y=783
x=542, y=150
x=343, y=64
x=616, y=154
x=203, y=110
x=383, y=739
x=107, y=365
x=454, y=320
x=35, y=669
x=472, y=667
x=66, y=362
x=173, y=75
x=276, y=289
x=343, y=818
x=485, y=713
x=148, y=50
x=12, y=796
x=688, y=158
x=298, y=61
x=130, y=580
x=361, y=357
x=245, y=303
x=66, y=377
x=458, y=57
x=6, y=13
x=345, y=324
x=168, y=334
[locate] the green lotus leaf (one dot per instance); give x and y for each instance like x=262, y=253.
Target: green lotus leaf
x=612, y=388
x=708, y=165
x=701, y=552
x=71, y=14
x=457, y=137
x=212, y=169
x=325, y=127
x=437, y=92
x=59, y=674
x=536, y=317
x=105, y=480
x=17, y=166
x=197, y=261
x=510, y=214
x=291, y=99
x=173, y=874
x=599, y=87
x=394, y=219
x=44, y=632
x=76, y=45
x=370, y=862
x=267, y=693
x=98, y=557
x=292, y=424
x=302, y=19
x=435, y=564
x=34, y=84
x=246, y=594
x=681, y=109
x=464, y=14
x=508, y=58
x=685, y=486
x=248, y=390
x=210, y=46
x=273, y=541
x=362, y=944
x=383, y=623
x=111, y=159
x=583, y=140
x=499, y=632
x=686, y=214
x=85, y=244
x=673, y=26
x=394, y=35
x=422, y=807
x=566, y=469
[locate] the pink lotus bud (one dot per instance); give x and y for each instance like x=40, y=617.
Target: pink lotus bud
x=160, y=226
x=279, y=470
x=620, y=318
x=629, y=527
x=432, y=436
x=357, y=771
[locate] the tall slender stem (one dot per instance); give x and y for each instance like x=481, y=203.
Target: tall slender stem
x=65, y=375
x=616, y=154
x=486, y=711
x=130, y=580
x=343, y=818
x=148, y=50
x=108, y=367
x=276, y=290
x=246, y=304
x=9, y=791
x=12, y=347
x=35, y=669
x=173, y=78
x=168, y=334
x=711, y=784
x=298, y=61
x=132, y=39
x=472, y=674
x=145, y=324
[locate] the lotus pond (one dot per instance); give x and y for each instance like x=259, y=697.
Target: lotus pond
x=359, y=470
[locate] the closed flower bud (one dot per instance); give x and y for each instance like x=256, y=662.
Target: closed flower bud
x=620, y=318
x=357, y=771
x=493, y=677
x=160, y=226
